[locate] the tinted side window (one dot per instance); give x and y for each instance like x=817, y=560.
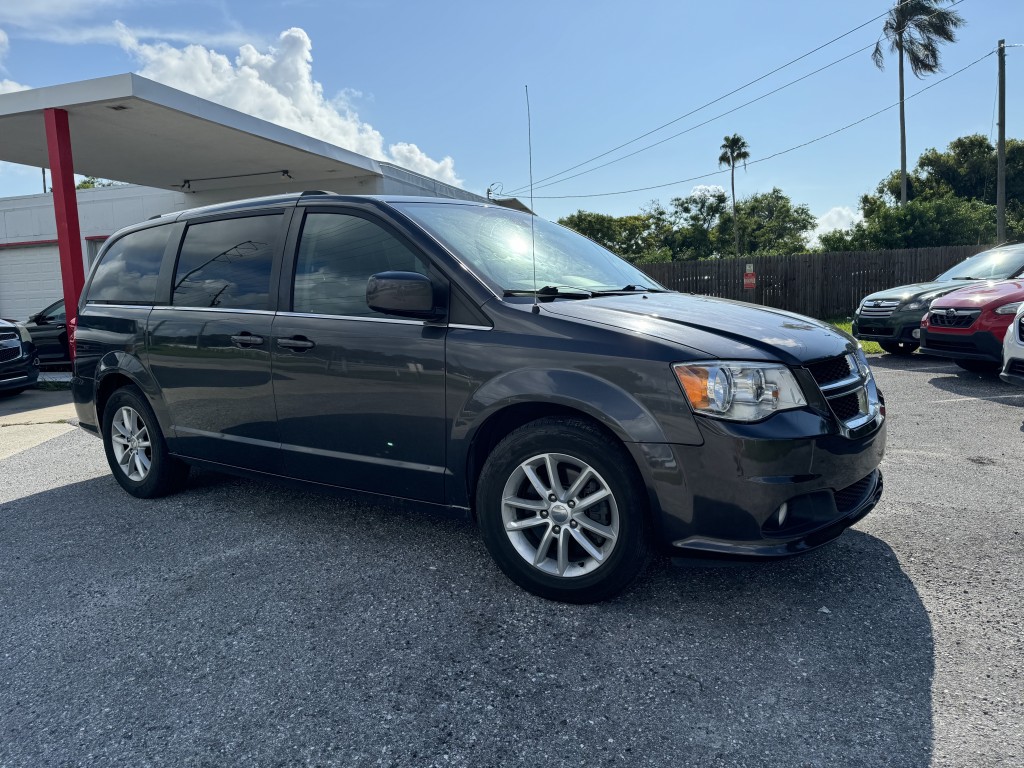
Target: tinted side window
x=227, y=263
x=130, y=267
x=337, y=255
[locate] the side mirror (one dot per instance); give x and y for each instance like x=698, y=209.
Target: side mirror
x=38, y=319
x=407, y=294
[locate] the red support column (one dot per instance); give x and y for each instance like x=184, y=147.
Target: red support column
x=65, y=206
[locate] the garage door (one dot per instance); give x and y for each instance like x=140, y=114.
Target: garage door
x=29, y=280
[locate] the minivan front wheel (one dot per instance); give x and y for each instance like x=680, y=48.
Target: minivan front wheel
x=135, y=447
x=562, y=512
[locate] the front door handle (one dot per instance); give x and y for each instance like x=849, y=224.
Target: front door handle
x=246, y=339
x=297, y=343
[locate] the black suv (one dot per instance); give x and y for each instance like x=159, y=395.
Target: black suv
x=470, y=357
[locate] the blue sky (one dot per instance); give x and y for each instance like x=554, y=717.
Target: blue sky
x=439, y=85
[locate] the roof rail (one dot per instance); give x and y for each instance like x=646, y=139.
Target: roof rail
x=311, y=192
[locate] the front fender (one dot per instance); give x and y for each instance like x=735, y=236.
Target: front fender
x=602, y=400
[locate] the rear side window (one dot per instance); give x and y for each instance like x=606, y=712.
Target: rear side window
x=128, y=271
x=337, y=255
x=227, y=263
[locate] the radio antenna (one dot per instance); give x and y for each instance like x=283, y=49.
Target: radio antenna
x=533, y=238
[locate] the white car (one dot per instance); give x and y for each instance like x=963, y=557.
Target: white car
x=1013, y=351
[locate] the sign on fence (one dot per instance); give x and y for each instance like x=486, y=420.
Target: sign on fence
x=749, y=278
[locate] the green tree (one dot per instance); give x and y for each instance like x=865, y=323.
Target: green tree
x=91, y=182
x=914, y=30
x=697, y=217
x=734, y=150
x=636, y=237
x=771, y=224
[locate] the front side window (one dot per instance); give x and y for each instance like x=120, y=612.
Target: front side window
x=226, y=264
x=130, y=267
x=337, y=255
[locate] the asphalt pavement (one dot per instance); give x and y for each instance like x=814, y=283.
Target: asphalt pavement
x=241, y=623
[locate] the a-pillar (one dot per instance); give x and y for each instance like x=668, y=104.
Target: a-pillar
x=65, y=206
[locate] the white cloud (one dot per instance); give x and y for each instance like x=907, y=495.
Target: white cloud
x=5, y=45
x=276, y=85
x=840, y=217
x=706, y=190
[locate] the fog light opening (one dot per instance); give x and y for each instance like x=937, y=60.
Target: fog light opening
x=916, y=333
x=781, y=514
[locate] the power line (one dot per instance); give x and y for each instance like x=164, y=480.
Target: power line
x=519, y=189
x=779, y=153
x=706, y=122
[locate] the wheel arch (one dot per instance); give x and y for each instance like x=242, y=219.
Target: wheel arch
x=120, y=369
x=519, y=397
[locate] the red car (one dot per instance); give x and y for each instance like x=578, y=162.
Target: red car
x=968, y=325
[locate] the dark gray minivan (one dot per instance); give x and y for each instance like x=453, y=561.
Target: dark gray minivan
x=470, y=357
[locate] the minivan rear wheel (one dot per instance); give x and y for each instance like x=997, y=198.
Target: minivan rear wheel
x=135, y=447
x=562, y=511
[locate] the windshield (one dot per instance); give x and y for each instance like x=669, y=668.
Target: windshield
x=997, y=264
x=495, y=244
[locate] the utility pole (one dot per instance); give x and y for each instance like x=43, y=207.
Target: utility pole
x=1001, y=150
x=44, y=179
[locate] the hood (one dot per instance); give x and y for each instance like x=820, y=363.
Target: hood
x=713, y=328
x=984, y=295
x=905, y=293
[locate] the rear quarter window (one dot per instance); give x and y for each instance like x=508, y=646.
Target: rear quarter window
x=128, y=270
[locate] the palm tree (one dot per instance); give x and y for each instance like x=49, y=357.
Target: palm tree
x=734, y=150
x=915, y=28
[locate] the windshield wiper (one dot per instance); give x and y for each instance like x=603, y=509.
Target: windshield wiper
x=628, y=289
x=968, y=278
x=553, y=291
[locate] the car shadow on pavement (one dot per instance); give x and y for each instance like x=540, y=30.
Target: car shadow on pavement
x=979, y=385
x=242, y=623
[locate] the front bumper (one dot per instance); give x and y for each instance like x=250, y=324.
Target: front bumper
x=724, y=496
x=897, y=328
x=1013, y=371
x=963, y=346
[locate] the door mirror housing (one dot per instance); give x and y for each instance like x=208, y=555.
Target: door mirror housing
x=407, y=294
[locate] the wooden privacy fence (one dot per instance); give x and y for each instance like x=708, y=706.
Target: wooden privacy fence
x=822, y=285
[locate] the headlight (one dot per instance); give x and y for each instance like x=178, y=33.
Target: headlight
x=919, y=304
x=26, y=337
x=739, y=391
x=1009, y=309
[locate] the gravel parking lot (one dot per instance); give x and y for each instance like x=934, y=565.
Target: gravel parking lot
x=241, y=623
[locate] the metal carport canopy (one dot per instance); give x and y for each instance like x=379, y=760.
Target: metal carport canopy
x=131, y=129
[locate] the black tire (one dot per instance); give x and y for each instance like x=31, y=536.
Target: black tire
x=899, y=347
x=979, y=366
x=164, y=473
x=575, y=447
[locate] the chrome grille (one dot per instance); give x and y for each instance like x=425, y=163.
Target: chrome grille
x=830, y=371
x=953, y=318
x=878, y=309
x=7, y=336
x=844, y=386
